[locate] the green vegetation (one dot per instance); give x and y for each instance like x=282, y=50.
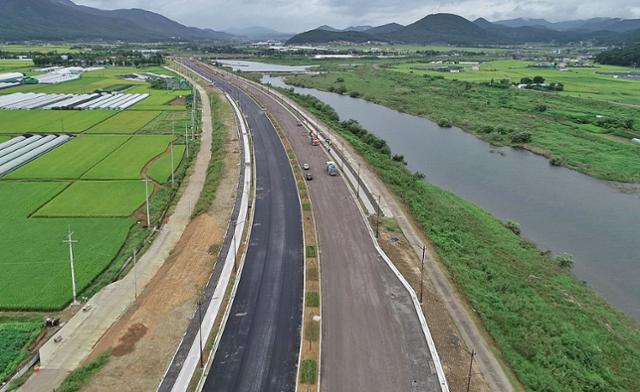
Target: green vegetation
x=308, y=371
x=312, y=299
x=627, y=56
x=96, y=199
x=221, y=112
x=81, y=376
x=160, y=170
x=595, y=82
x=167, y=122
x=15, y=338
x=125, y=122
x=497, y=114
x=11, y=65
x=311, y=251
x=34, y=260
x=19, y=121
x=14, y=48
x=556, y=333
x=129, y=160
x=160, y=99
x=70, y=160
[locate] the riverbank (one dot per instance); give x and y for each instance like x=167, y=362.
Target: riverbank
x=553, y=331
x=564, y=129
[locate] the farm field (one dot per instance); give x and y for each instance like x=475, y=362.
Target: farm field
x=38, y=48
x=160, y=170
x=593, y=82
x=15, y=337
x=19, y=121
x=96, y=199
x=167, y=122
x=10, y=65
x=91, y=183
x=159, y=99
x=125, y=122
x=70, y=160
x=128, y=161
x=36, y=276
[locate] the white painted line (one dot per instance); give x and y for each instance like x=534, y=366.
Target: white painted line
x=193, y=358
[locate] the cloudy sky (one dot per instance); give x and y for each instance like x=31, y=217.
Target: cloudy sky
x=295, y=16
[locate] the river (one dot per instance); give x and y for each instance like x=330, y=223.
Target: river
x=559, y=209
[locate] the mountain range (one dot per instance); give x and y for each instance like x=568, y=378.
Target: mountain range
x=58, y=20
x=49, y=20
x=454, y=29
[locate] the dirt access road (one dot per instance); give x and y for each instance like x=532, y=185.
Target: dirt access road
x=372, y=339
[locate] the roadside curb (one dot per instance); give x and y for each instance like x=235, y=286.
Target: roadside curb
x=189, y=364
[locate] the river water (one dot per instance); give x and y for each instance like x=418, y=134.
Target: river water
x=557, y=208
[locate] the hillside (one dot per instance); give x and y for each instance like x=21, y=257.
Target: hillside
x=318, y=36
x=444, y=28
x=456, y=30
x=51, y=20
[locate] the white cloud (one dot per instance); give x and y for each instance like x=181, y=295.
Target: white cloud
x=293, y=16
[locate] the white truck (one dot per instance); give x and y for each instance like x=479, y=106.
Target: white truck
x=332, y=169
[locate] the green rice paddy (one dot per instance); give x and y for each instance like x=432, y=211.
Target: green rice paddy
x=128, y=161
x=160, y=170
x=96, y=199
x=125, y=122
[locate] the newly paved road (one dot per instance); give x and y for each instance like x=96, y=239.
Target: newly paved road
x=259, y=347
x=371, y=335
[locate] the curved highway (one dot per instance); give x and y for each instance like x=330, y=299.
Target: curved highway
x=260, y=343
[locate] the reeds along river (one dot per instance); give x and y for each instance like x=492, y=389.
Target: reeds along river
x=557, y=208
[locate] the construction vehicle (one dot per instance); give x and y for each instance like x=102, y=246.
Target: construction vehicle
x=332, y=169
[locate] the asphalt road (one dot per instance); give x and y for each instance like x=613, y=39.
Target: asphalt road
x=371, y=336
x=259, y=347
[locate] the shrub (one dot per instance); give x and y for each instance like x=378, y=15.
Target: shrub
x=521, y=137
x=341, y=89
x=444, y=123
x=311, y=251
x=541, y=108
x=513, y=226
x=354, y=94
x=564, y=261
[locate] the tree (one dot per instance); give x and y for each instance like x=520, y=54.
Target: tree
x=538, y=79
x=526, y=80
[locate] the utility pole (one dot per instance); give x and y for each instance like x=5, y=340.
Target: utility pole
x=473, y=354
x=422, y=274
x=235, y=248
x=186, y=137
x=146, y=192
x=71, y=241
x=378, y=219
x=200, y=328
x=135, y=276
x=172, y=168
x=358, y=181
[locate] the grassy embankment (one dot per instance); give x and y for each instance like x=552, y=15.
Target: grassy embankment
x=220, y=111
x=555, y=333
x=586, y=135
